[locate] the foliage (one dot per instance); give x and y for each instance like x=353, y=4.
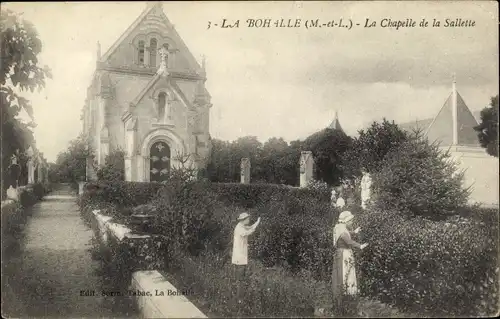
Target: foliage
x=71, y=165
x=14, y=218
x=318, y=186
x=327, y=147
x=277, y=161
x=270, y=292
x=20, y=71
x=370, y=147
x=487, y=130
x=252, y=195
x=113, y=168
x=119, y=194
x=419, y=179
x=447, y=267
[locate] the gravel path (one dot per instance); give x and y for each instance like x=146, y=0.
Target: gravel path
x=54, y=265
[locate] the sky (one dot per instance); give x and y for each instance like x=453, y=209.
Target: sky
x=280, y=82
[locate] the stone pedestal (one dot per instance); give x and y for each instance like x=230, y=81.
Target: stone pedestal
x=306, y=168
x=245, y=171
x=81, y=188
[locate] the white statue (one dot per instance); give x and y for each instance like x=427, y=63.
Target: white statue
x=12, y=193
x=366, y=184
x=163, y=64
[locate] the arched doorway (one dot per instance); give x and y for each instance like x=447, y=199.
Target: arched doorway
x=159, y=161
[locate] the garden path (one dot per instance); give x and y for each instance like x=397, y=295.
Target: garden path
x=54, y=264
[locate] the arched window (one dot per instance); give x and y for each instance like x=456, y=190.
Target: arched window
x=152, y=52
x=162, y=101
x=141, y=52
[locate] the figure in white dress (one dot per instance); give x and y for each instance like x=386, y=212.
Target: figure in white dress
x=366, y=184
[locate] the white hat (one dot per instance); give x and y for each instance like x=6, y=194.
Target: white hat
x=243, y=216
x=345, y=216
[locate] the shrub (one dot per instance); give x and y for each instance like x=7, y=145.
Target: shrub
x=271, y=292
x=369, y=149
x=441, y=267
x=252, y=195
x=185, y=211
x=294, y=239
x=419, y=179
x=39, y=191
x=119, y=194
x=114, y=167
x=319, y=186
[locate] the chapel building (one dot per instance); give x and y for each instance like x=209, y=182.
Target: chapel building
x=453, y=129
x=148, y=98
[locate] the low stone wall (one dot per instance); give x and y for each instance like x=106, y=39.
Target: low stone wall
x=165, y=301
x=156, y=297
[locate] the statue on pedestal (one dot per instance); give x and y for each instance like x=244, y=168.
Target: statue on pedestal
x=162, y=70
x=366, y=184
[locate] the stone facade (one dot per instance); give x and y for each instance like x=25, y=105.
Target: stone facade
x=148, y=98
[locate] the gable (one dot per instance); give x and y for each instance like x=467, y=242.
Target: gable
x=158, y=84
x=441, y=129
x=151, y=24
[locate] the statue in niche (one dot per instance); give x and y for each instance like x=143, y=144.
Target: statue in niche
x=163, y=51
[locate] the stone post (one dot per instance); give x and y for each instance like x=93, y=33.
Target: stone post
x=39, y=171
x=245, y=171
x=81, y=187
x=306, y=168
x=46, y=174
x=31, y=166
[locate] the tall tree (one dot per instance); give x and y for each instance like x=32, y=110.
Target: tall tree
x=327, y=147
x=20, y=71
x=71, y=165
x=371, y=146
x=487, y=130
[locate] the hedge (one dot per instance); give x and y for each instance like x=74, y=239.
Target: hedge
x=15, y=216
x=252, y=195
x=120, y=194
x=441, y=267
x=419, y=265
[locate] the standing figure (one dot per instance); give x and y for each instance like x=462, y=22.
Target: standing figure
x=366, y=184
x=240, y=251
x=344, y=274
x=340, y=203
x=333, y=197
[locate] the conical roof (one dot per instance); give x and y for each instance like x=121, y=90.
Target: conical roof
x=335, y=124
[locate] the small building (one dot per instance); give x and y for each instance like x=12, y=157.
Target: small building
x=335, y=124
x=453, y=129
x=148, y=98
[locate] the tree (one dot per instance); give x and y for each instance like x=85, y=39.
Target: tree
x=371, y=146
x=327, y=147
x=114, y=167
x=71, y=165
x=20, y=71
x=272, y=164
x=487, y=130
x=418, y=179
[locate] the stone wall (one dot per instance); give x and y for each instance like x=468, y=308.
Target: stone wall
x=481, y=174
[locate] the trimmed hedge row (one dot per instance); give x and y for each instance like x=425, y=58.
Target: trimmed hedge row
x=441, y=267
x=120, y=194
x=252, y=195
x=447, y=266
